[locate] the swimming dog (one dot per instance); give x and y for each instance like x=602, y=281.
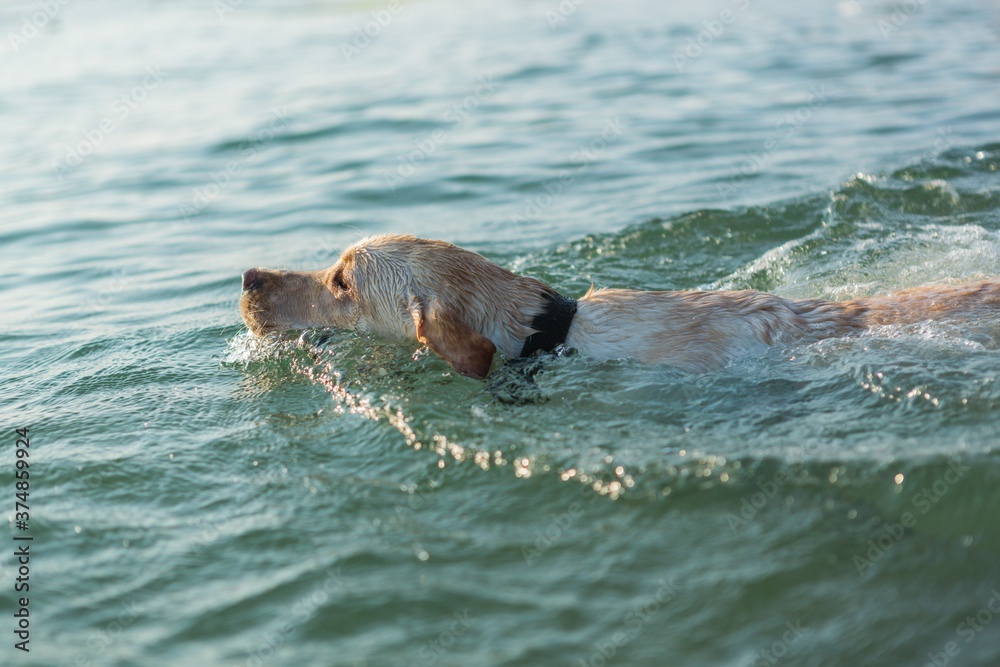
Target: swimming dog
x=465, y=308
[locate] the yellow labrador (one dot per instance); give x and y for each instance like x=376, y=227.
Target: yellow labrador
x=465, y=307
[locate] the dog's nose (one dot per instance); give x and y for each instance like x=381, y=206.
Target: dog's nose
x=252, y=279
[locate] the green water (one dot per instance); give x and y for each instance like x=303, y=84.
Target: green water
x=200, y=497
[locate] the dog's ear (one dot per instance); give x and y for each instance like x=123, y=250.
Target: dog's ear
x=444, y=332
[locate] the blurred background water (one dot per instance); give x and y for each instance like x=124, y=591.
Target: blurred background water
x=199, y=497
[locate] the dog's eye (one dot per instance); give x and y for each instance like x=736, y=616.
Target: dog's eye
x=338, y=280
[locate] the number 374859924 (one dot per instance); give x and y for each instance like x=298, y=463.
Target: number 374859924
x=22, y=485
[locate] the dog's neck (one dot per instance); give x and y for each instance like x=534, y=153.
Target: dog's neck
x=551, y=325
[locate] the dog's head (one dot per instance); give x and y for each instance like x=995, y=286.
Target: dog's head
x=451, y=299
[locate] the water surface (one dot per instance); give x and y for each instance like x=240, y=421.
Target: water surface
x=198, y=496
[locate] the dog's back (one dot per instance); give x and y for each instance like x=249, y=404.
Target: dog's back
x=701, y=331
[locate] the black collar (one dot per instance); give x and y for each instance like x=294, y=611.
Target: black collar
x=551, y=325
